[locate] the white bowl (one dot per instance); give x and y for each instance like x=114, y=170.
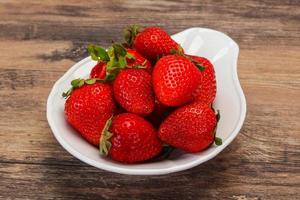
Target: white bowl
x=220, y=49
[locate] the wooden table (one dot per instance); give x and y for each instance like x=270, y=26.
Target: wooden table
x=40, y=40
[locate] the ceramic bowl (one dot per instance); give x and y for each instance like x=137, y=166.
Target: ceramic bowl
x=220, y=49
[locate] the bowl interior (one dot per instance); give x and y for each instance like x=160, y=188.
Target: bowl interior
x=218, y=48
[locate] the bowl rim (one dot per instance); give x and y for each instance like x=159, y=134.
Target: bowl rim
x=131, y=171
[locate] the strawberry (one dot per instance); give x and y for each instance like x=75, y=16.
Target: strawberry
x=152, y=42
x=133, y=91
x=174, y=79
x=206, y=91
x=113, y=60
x=88, y=106
x=129, y=138
x=190, y=128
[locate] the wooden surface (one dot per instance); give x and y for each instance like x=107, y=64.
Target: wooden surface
x=40, y=40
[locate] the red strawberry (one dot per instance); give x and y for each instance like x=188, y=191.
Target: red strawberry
x=113, y=60
x=190, y=128
x=175, y=78
x=152, y=42
x=206, y=91
x=133, y=91
x=129, y=138
x=88, y=108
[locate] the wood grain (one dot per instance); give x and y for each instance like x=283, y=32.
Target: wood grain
x=40, y=40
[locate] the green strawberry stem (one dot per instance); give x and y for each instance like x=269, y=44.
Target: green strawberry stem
x=130, y=34
x=104, y=143
x=114, y=57
x=77, y=83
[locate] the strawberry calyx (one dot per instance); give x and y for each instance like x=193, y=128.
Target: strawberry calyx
x=139, y=66
x=218, y=116
x=180, y=52
x=77, y=83
x=198, y=65
x=217, y=140
x=130, y=34
x=114, y=57
x=105, y=144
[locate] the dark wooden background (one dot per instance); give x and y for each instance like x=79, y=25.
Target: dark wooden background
x=40, y=40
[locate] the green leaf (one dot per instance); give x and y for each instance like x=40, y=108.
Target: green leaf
x=139, y=67
x=130, y=56
x=98, y=53
x=119, y=50
x=199, y=66
x=102, y=54
x=75, y=82
x=218, y=141
x=111, y=52
x=103, y=149
x=122, y=62
x=66, y=94
x=108, y=145
x=177, y=51
x=180, y=50
x=110, y=77
x=127, y=36
x=117, y=60
x=104, y=143
x=135, y=29
x=90, y=49
x=81, y=83
x=94, y=57
x=92, y=53
x=112, y=64
x=90, y=81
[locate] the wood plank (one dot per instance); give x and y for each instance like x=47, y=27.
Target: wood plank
x=249, y=22
x=82, y=182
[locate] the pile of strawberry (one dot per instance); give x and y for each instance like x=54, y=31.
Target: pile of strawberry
x=144, y=95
